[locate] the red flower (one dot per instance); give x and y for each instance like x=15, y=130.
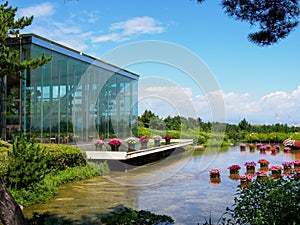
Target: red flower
x=115, y=141
x=144, y=139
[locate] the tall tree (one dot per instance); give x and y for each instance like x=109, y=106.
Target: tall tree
x=10, y=64
x=275, y=19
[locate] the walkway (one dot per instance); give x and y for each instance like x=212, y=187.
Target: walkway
x=109, y=155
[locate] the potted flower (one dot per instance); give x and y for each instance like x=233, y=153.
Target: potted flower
x=277, y=147
x=264, y=164
x=242, y=147
x=245, y=180
x=268, y=146
x=250, y=165
x=215, y=173
x=168, y=139
x=114, y=144
x=157, y=139
x=273, y=150
x=276, y=169
x=262, y=148
x=286, y=149
x=258, y=145
x=296, y=164
x=234, y=169
x=131, y=141
x=144, y=141
x=287, y=165
x=251, y=146
x=98, y=144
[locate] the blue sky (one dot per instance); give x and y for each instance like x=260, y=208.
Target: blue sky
x=260, y=84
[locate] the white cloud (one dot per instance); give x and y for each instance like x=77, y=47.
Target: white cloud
x=278, y=107
x=41, y=10
x=122, y=31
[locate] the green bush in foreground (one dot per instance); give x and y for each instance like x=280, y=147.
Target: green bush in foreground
x=269, y=202
x=26, y=164
x=126, y=216
x=47, y=188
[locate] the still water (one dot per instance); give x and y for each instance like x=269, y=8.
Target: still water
x=178, y=186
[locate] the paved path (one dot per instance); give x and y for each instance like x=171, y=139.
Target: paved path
x=109, y=155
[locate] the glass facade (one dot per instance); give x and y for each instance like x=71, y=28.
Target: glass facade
x=74, y=97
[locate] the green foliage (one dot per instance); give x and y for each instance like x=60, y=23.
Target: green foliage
x=47, y=219
x=126, y=216
x=5, y=144
x=26, y=163
x=9, y=57
x=44, y=190
x=268, y=202
x=101, y=168
x=274, y=19
x=64, y=156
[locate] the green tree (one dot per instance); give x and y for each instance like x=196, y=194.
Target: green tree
x=10, y=63
x=244, y=125
x=146, y=118
x=275, y=19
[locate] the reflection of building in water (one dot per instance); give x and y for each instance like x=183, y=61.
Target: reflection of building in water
x=74, y=96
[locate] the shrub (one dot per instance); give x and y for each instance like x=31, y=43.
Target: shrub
x=268, y=202
x=26, y=163
x=126, y=216
x=64, y=156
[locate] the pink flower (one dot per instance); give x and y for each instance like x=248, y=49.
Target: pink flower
x=275, y=168
x=297, y=162
x=249, y=164
x=144, y=139
x=98, y=142
x=287, y=164
x=215, y=171
x=115, y=141
x=234, y=167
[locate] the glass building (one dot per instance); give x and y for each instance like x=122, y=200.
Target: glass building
x=74, y=97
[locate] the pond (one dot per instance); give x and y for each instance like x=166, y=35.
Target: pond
x=178, y=186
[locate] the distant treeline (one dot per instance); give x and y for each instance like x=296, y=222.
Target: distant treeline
x=243, y=131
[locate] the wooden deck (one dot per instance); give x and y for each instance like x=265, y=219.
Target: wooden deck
x=109, y=155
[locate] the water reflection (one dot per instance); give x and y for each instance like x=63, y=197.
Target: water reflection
x=189, y=195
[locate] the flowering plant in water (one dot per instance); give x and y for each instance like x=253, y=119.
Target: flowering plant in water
x=98, y=142
x=168, y=137
x=287, y=149
x=249, y=164
x=287, y=164
x=131, y=140
x=115, y=141
x=263, y=162
x=297, y=162
x=234, y=167
x=243, y=145
x=144, y=139
x=215, y=171
x=275, y=168
x=276, y=147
